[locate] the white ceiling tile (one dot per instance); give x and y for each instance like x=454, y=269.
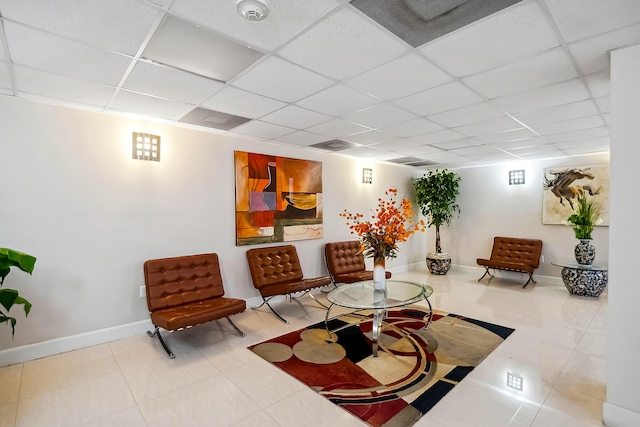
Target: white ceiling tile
x=397, y=145
x=578, y=19
x=169, y=83
x=592, y=54
x=338, y=100
x=521, y=143
x=479, y=150
x=439, y=136
x=599, y=83
x=467, y=115
x=240, y=103
x=371, y=137
x=447, y=97
x=443, y=157
x=511, y=135
x=460, y=143
x=559, y=113
x=136, y=103
x=569, y=125
x=296, y=117
x=286, y=20
x=57, y=55
x=380, y=116
x=587, y=150
x=422, y=150
x=302, y=138
x=501, y=124
x=343, y=45
x=279, y=79
x=411, y=128
x=545, y=69
x=263, y=129
x=582, y=143
x=399, y=78
x=513, y=34
x=604, y=103
x=5, y=79
x=337, y=128
x=538, y=99
x=534, y=149
x=579, y=134
x=58, y=87
x=89, y=21
x=364, y=152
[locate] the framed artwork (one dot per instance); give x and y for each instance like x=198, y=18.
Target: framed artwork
x=562, y=186
x=278, y=199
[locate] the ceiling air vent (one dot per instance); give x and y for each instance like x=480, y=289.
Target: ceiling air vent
x=335, y=145
x=213, y=119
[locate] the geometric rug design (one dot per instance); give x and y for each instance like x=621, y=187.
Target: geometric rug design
x=415, y=368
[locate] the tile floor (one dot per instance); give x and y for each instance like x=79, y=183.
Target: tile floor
x=559, y=348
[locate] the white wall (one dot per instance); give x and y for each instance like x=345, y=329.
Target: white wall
x=622, y=407
x=490, y=207
x=73, y=197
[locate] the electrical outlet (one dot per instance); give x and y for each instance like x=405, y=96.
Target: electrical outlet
x=143, y=292
x=541, y=258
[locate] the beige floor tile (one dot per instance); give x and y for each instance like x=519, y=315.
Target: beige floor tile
x=10, y=377
x=8, y=413
x=212, y=402
x=585, y=374
x=77, y=404
x=131, y=417
x=568, y=408
x=260, y=419
x=273, y=384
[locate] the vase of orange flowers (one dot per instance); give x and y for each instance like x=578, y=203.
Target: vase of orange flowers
x=391, y=223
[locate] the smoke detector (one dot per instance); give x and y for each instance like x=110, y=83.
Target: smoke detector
x=253, y=10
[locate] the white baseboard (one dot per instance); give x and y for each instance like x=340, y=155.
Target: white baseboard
x=60, y=345
x=617, y=416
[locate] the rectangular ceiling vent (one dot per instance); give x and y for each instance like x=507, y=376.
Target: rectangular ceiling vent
x=423, y=163
x=405, y=160
x=335, y=145
x=213, y=119
x=420, y=21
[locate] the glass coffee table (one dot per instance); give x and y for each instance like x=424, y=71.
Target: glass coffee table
x=584, y=280
x=362, y=296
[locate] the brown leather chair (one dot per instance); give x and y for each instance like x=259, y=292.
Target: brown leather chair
x=513, y=254
x=186, y=291
x=345, y=262
x=276, y=271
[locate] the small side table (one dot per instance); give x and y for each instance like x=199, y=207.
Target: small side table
x=584, y=280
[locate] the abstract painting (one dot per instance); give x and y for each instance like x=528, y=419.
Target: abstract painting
x=562, y=186
x=278, y=199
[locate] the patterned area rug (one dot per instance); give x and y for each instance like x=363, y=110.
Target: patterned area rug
x=414, y=369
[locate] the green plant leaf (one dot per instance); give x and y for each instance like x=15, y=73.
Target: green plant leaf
x=27, y=305
x=5, y=319
x=8, y=298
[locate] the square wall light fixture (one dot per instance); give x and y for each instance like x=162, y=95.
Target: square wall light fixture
x=145, y=146
x=516, y=177
x=367, y=176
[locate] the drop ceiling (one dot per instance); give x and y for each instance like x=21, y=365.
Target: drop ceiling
x=528, y=82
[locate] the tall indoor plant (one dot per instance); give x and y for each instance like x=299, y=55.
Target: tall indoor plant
x=10, y=297
x=584, y=218
x=436, y=194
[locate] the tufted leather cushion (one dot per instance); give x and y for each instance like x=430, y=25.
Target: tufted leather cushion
x=186, y=291
x=276, y=271
x=345, y=262
x=514, y=254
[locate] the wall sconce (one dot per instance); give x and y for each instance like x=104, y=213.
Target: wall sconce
x=367, y=176
x=145, y=146
x=516, y=177
x=515, y=381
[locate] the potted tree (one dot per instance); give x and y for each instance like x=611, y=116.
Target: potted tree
x=585, y=217
x=10, y=297
x=436, y=194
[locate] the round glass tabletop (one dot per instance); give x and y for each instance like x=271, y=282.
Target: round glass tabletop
x=362, y=295
x=577, y=266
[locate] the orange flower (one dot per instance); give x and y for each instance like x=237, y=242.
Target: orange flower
x=390, y=224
